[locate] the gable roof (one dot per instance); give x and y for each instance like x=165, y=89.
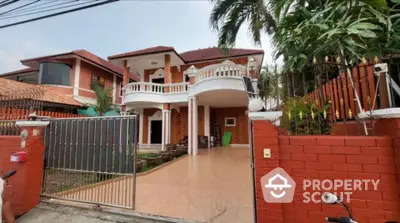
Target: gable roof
x=150, y=50
x=89, y=57
x=211, y=53
x=214, y=53
x=49, y=95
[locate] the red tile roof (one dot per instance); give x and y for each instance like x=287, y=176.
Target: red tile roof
x=216, y=53
x=193, y=55
x=49, y=95
x=90, y=57
x=20, y=71
x=157, y=49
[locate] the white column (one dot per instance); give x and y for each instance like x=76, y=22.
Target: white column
x=167, y=117
x=195, y=127
x=141, y=127
x=169, y=126
x=190, y=126
x=163, y=131
x=77, y=76
x=207, y=123
x=114, y=88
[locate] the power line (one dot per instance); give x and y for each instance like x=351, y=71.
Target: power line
x=7, y=3
x=45, y=7
x=58, y=13
x=47, y=10
x=35, y=6
x=30, y=3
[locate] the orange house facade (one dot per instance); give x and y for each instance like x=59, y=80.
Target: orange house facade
x=189, y=96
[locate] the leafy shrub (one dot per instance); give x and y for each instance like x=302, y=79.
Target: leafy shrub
x=304, y=117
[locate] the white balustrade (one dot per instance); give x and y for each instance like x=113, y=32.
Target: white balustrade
x=156, y=88
x=226, y=69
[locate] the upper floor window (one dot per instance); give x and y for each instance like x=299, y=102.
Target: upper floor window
x=55, y=73
x=97, y=80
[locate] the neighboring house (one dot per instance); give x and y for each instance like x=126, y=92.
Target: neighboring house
x=18, y=98
x=72, y=75
x=191, y=94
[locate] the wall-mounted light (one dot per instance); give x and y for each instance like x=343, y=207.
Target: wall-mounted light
x=154, y=63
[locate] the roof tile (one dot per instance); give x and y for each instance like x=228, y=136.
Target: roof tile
x=49, y=95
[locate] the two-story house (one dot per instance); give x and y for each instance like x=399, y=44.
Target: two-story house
x=70, y=76
x=190, y=94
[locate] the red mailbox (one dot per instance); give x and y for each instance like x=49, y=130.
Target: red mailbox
x=19, y=157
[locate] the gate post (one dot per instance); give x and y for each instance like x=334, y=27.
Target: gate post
x=27, y=183
x=264, y=135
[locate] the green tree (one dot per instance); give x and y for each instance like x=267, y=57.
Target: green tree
x=228, y=16
x=103, y=99
x=269, y=86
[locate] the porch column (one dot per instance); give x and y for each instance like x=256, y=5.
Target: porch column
x=125, y=81
x=167, y=71
x=190, y=126
x=141, y=112
x=195, y=126
x=207, y=123
x=166, y=114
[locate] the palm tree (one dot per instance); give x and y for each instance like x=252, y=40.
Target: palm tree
x=228, y=16
x=103, y=99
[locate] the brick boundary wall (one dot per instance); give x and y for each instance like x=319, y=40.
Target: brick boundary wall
x=24, y=187
x=329, y=157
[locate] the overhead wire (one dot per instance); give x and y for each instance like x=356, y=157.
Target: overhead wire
x=36, y=5
x=8, y=3
x=19, y=7
x=45, y=7
x=47, y=10
x=59, y=13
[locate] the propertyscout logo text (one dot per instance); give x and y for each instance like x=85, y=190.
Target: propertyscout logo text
x=279, y=187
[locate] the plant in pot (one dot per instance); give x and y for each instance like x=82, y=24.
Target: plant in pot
x=181, y=149
x=167, y=155
x=153, y=159
x=139, y=164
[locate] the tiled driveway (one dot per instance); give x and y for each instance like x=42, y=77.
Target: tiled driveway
x=214, y=186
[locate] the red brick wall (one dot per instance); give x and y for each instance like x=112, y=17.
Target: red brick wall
x=25, y=186
x=179, y=123
x=177, y=76
x=328, y=157
x=86, y=77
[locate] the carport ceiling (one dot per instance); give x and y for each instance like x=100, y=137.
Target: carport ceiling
x=225, y=98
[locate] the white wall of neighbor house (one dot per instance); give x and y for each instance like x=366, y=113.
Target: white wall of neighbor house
x=77, y=76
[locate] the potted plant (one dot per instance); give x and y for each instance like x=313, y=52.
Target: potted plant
x=139, y=164
x=166, y=156
x=171, y=147
x=153, y=159
x=181, y=149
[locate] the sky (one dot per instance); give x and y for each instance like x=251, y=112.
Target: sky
x=119, y=27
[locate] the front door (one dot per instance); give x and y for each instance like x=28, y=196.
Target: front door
x=156, y=131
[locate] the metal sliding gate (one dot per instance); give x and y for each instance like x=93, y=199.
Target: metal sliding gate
x=92, y=160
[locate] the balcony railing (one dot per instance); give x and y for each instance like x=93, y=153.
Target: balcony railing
x=228, y=70
x=156, y=88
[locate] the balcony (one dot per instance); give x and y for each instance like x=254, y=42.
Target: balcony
x=223, y=77
x=157, y=93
